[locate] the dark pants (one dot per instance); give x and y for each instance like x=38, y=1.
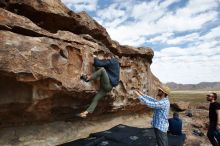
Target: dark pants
x=176, y=140
x=105, y=87
x=161, y=137
x=215, y=141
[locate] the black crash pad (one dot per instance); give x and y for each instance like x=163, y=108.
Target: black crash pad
x=122, y=135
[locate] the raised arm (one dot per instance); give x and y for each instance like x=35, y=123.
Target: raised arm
x=151, y=102
x=146, y=96
x=156, y=104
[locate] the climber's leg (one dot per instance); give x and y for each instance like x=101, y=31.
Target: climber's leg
x=101, y=93
x=104, y=79
x=105, y=87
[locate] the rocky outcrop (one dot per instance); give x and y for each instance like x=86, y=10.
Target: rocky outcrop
x=45, y=48
x=180, y=106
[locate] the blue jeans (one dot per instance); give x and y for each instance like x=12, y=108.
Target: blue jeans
x=215, y=141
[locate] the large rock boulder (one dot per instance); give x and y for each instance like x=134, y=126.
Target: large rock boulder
x=180, y=106
x=45, y=48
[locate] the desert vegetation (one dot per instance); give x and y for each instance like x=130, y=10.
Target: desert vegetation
x=190, y=96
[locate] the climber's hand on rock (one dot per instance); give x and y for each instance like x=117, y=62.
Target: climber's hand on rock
x=137, y=93
x=141, y=92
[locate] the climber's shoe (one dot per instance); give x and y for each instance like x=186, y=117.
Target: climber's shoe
x=78, y=115
x=84, y=78
x=82, y=115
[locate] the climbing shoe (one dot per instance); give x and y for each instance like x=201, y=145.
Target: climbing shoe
x=84, y=78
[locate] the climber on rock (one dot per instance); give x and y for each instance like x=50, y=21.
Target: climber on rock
x=108, y=72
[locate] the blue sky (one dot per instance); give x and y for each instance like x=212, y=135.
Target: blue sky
x=184, y=34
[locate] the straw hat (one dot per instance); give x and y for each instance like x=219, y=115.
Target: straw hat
x=165, y=89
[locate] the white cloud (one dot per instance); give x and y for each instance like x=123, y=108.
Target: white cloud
x=81, y=5
x=183, y=39
x=184, y=22
x=197, y=6
x=201, y=49
x=170, y=39
x=213, y=34
x=162, y=38
x=165, y=4
x=110, y=13
x=147, y=11
x=153, y=17
x=186, y=71
x=188, y=65
x=111, y=16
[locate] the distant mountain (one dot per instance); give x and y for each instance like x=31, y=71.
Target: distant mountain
x=200, y=86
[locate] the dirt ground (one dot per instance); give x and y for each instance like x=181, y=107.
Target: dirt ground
x=50, y=134
x=55, y=133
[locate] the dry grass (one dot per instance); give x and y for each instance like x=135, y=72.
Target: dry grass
x=191, y=96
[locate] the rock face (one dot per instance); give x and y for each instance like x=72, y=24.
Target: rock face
x=45, y=47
